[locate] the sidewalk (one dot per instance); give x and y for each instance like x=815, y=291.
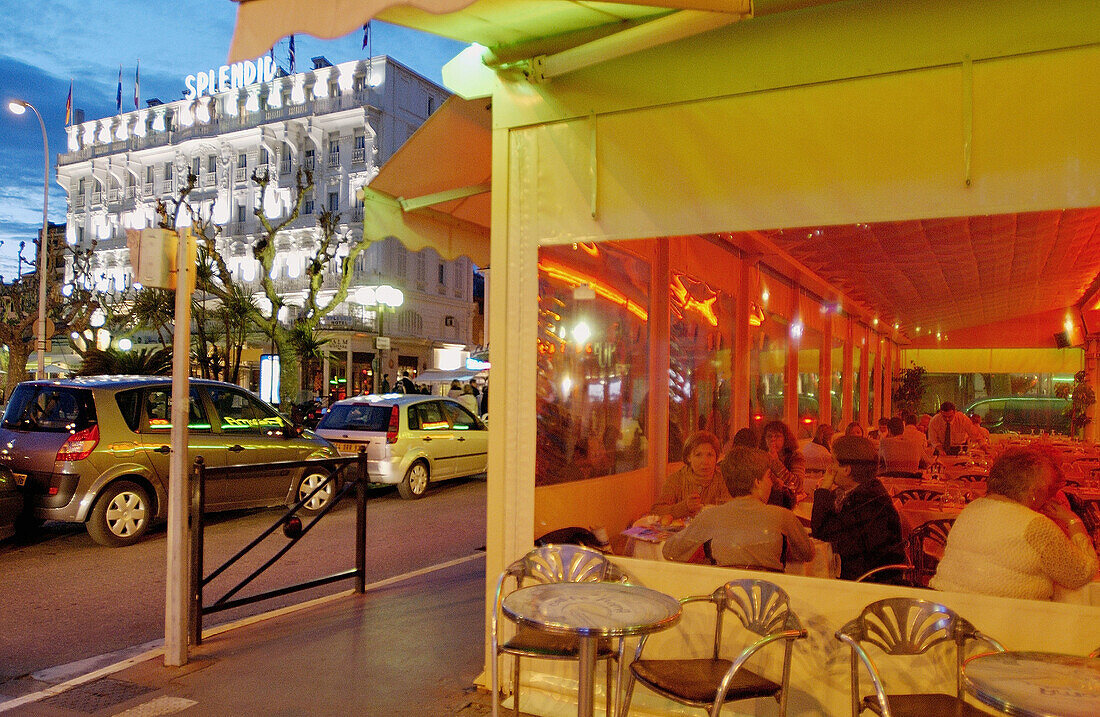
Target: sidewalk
x=410, y=648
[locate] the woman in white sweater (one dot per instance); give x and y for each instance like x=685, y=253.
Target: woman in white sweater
x=1021, y=538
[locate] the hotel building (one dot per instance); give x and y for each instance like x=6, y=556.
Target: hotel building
x=342, y=122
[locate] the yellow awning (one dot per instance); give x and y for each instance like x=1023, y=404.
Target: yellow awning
x=434, y=191
x=1016, y=360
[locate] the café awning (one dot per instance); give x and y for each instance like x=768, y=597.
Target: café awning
x=434, y=191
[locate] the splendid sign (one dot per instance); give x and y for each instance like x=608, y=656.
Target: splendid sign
x=229, y=77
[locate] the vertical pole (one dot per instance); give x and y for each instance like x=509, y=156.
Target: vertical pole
x=177, y=579
x=864, y=416
x=43, y=254
x=739, y=413
x=361, y=523
x=825, y=374
x=847, y=376
x=657, y=417
x=198, y=483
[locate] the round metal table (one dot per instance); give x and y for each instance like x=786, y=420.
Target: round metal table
x=591, y=611
x=1036, y=684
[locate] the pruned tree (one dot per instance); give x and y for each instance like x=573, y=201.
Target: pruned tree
x=267, y=315
x=19, y=309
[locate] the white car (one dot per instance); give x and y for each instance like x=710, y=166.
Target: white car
x=410, y=440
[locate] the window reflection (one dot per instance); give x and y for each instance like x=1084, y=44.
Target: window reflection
x=767, y=362
x=593, y=347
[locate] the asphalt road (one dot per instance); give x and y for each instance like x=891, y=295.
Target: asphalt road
x=64, y=598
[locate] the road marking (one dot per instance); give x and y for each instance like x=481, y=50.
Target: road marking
x=157, y=646
x=160, y=706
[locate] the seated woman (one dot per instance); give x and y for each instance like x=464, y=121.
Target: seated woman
x=787, y=465
x=817, y=452
x=1008, y=543
x=853, y=511
x=686, y=491
x=746, y=532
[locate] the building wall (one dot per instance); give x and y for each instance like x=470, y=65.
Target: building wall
x=342, y=122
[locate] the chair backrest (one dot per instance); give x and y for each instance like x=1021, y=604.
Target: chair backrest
x=904, y=496
x=761, y=606
x=908, y=626
x=932, y=532
x=973, y=477
x=561, y=563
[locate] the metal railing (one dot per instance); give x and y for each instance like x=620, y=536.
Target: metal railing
x=338, y=470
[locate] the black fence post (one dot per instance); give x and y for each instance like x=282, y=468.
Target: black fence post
x=198, y=496
x=361, y=523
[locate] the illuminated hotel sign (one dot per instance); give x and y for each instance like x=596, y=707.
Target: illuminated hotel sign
x=229, y=77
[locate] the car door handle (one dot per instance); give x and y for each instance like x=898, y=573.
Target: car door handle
x=162, y=449
x=427, y=439
x=461, y=438
x=236, y=448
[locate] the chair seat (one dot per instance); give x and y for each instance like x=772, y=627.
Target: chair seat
x=698, y=680
x=536, y=643
x=925, y=705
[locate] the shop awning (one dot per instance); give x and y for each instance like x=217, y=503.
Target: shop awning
x=462, y=375
x=434, y=191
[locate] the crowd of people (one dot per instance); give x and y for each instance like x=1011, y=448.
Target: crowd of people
x=1021, y=539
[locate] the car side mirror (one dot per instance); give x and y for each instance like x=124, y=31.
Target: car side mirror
x=291, y=431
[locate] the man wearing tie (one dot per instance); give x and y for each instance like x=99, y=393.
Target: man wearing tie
x=950, y=430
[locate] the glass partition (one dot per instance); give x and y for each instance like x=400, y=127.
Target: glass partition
x=809, y=381
x=767, y=364
x=593, y=352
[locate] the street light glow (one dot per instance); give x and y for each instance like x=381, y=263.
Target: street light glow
x=17, y=107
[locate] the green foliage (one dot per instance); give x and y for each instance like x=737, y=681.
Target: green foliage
x=908, y=389
x=1082, y=398
x=139, y=362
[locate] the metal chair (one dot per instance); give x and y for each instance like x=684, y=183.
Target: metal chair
x=709, y=682
x=922, y=562
x=904, y=496
x=905, y=626
x=973, y=477
x=552, y=564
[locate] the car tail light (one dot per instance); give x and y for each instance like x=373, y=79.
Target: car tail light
x=395, y=422
x=79, y=445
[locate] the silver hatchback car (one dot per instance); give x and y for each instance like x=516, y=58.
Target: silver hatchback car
x=410, y=439
x=95, y=450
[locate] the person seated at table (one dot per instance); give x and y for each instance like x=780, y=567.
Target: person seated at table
x=899, y=455
x=949, y=430
x=696, y=484
x=787, y=466
x=977, y=421
x=911, y=432
x=853, y=511
x=1008, y=543
x=745, y=532
x=816, y=452
x=881, y=431
x=922, y=423
x=853, y=429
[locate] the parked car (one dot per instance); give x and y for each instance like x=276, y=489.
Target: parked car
x=95, y=450
x=410, y=440
x=11, y=504
x=1023, y=414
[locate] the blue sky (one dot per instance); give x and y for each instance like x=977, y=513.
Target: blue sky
x=45, y=44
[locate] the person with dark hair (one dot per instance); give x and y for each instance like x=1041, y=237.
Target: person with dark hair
x=950, y=430
x=1019, y=540
x=854, y=429
x=385, y=387
x=911, y=432
x=455, y=390
x=897, y=454
x=853, y=511
x=788, y=466
x=686, y=491
x=744, y=532
x=816, y=452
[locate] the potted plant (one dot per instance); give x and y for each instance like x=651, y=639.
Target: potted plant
x=908, y=389
x=1081, y=400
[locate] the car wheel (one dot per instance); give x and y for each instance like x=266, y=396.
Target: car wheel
x=121, y=515
x=323, y=497
x=415, y=482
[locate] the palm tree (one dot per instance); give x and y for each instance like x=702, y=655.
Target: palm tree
x=141, y=362
x=155, y=309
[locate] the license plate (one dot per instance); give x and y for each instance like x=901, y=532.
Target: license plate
x=20, y=478
x=347, y=447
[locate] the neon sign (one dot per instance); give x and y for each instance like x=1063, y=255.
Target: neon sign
x=229, y=77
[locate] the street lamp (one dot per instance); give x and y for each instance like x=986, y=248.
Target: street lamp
x=382, y=297
x=18, y=107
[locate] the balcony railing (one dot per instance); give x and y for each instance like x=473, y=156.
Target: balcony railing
x=359, y=155
x=357, y=214
x=97, y=197
x=209, y=179
x=284, y=166
x=167, y=186
x=240, y=174
x=147, y=188
x=309, y=163
x=333, y=159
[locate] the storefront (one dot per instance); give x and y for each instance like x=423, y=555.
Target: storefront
x=660, y=187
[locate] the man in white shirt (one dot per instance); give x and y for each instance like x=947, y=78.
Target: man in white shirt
x=949, y=430
x=912, y=433
x=898, y=454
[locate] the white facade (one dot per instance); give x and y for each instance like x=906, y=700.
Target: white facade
x=342, y=122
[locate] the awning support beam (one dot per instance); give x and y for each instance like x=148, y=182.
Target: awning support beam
x=676, y=26
x=428, y=200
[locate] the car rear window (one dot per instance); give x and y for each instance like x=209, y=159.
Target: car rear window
x=357, y=417
x=50, y=409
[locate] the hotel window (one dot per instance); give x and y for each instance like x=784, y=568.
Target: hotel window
x=80, y=191
x=242, y=160
x=80, y=235
x=307, y=205
x=442, y=274
x=196, y=165
x=264, y=157
x=148, y=175
x=431, y=104
x=167, y=170
x=334, y=201
x=309, y=161
x=212, y=163
x=240, y=213
x=334, y=89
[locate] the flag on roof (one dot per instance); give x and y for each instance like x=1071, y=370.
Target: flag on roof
x=118, y=96
x=69, y=106
x=137, y=85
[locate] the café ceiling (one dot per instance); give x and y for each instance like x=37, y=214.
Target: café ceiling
x=953, y=273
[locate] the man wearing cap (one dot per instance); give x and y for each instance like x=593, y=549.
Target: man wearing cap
x=950, y=430
x=853, y=511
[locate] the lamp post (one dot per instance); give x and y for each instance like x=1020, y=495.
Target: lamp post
x=382, y=297
x=18, y=107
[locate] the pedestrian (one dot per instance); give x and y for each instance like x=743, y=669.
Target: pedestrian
x=385, y=387
x=456, y=389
